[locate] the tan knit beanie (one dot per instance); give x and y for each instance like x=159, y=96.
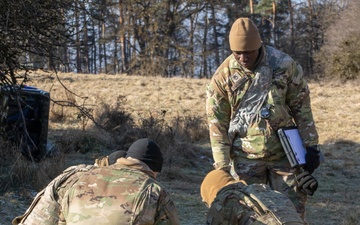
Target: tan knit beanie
x=212, y=183
x=244, y=36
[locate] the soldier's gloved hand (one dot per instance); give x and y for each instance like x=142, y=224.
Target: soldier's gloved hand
x=307, y=183
x=312, y=159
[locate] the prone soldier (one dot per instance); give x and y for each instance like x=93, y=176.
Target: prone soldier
x=125, y=192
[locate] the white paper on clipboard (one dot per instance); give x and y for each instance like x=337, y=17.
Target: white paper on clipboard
x=296, y=143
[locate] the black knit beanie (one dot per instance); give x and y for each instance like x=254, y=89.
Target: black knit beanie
x=116, y=155
x=148, y=152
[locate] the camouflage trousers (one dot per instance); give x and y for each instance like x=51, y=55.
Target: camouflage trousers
x=277, y=174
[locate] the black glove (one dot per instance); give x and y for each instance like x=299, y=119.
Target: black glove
x=312, y=159
x=307, y=183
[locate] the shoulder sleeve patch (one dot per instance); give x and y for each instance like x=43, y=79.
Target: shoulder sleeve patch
x=237, y=80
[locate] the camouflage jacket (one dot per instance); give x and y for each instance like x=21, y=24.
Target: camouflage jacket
x=45, y=207
x=123, y=193
x=288, y=101
x=241, y=204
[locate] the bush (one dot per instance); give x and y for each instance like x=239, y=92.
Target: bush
x=339, y=57
x=116, y=130
x=344, y=64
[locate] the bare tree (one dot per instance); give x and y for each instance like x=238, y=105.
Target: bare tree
x=28, y=37
x=124, y=60
x=291, y=27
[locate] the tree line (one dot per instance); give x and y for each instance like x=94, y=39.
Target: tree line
x=154, y=38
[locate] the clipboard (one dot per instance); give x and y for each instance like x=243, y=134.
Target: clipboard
x=293, y=146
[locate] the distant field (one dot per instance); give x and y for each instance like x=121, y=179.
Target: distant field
x=336, y=110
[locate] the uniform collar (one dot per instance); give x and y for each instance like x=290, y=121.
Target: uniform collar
x=135, y=164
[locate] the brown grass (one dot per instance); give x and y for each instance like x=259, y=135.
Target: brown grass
x=172, y=110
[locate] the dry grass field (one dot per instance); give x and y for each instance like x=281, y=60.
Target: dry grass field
x=173, y=109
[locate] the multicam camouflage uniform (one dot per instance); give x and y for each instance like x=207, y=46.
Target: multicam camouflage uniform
x=123, y=193
x=259, y=151
x=235, y=202
x=250, y=205
x=45, y=207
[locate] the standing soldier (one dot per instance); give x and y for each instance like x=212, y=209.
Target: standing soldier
x=254, y=92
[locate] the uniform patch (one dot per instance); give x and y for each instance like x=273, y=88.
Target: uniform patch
x=237, y=80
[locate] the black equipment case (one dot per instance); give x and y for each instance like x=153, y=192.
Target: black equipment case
x=24, y=119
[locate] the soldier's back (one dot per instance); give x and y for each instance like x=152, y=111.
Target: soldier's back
x=110, y=195
x=253, y=204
